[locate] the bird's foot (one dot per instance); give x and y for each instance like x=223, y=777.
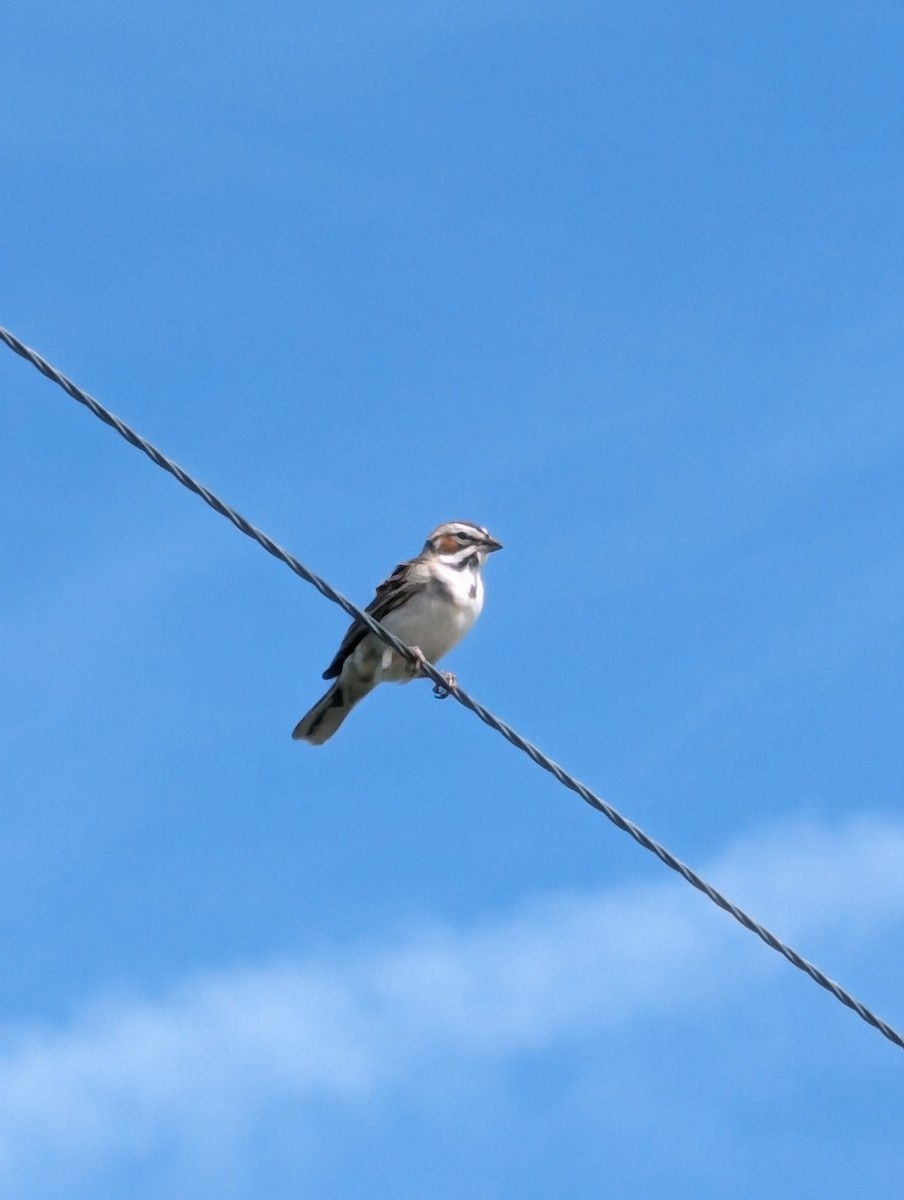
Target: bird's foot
x=441, y=690
x=417, y=669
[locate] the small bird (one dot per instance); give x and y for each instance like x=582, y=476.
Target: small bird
x=429, y=603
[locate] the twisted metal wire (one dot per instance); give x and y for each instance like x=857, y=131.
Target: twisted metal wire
x=443, y=685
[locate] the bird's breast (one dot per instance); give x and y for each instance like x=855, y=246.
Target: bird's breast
x=439, y=616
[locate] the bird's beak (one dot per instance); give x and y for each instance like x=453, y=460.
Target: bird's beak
x=490, y=545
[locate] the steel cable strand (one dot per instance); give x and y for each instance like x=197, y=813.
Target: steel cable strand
x=442, y=682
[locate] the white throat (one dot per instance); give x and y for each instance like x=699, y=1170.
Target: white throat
x=460, y=575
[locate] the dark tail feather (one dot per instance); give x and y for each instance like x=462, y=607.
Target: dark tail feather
x=325, y=717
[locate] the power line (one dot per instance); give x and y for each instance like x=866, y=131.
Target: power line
x=442, y=685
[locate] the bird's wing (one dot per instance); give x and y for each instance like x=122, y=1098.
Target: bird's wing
x=389, y=595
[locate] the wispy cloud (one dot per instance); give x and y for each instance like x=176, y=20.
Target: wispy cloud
x=130, y=1076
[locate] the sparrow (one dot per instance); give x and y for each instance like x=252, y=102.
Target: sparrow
x=429, y=603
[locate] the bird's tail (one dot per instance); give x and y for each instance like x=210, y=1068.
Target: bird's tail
x=318, y=725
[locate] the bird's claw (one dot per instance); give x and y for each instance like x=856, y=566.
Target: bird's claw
x=418, y=668
x=442, y=690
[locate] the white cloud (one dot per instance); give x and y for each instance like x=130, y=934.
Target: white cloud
x=128, y=1075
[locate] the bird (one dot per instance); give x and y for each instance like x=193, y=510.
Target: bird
x=429, y=603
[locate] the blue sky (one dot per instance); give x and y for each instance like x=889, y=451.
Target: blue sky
x=622, y=282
